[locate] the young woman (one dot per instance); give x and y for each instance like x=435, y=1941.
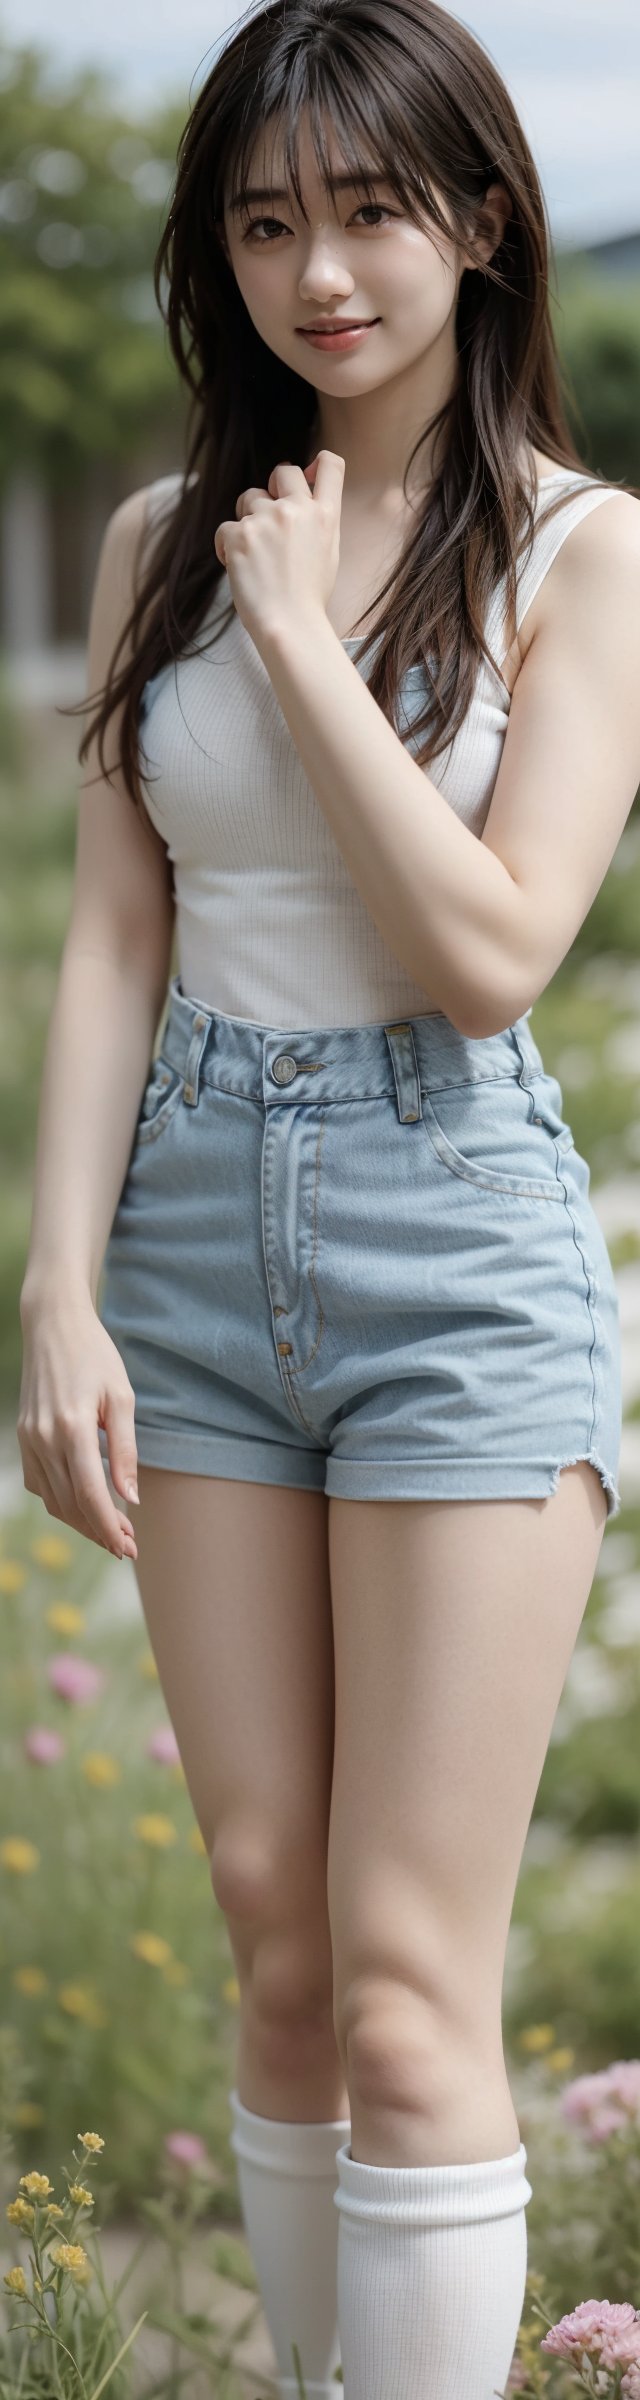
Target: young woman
x=369, y=676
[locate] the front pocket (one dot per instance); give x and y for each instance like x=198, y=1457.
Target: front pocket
x=159, y=1100
x=487, y=1133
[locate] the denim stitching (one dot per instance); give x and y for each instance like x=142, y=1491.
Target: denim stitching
x=148, y=1127
x=592, y=1292
x=481, y=1175
x=312, y=1279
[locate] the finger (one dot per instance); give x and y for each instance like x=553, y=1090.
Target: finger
x=59, y=1499
x=78, y=1480
x=223, y=535
x=83, y=1464
x=287, y=478
x=329, y=476
x=254, y=497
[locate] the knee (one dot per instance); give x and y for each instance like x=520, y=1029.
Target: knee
x=244, y=1875
x=282, y=1941
x=399, y=2047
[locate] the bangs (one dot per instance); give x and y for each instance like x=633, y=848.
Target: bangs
x=374, y=138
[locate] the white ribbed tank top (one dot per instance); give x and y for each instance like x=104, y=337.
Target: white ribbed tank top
x=269, y=923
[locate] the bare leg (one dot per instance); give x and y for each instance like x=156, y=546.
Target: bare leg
x=454, y=1626
x=234, y=1584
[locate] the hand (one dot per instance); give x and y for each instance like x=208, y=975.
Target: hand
x=73, y=1380
x=282, y=558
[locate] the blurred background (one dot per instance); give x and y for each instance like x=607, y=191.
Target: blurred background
x=116, y=1974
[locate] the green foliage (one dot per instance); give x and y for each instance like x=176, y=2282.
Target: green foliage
x=598, y=337
x=116, y=1972
x=84, y=367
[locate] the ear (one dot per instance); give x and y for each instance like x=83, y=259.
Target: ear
x=493, y=215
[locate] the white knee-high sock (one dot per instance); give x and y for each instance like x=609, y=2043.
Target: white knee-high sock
x=287, y=2177
x=432, y=2264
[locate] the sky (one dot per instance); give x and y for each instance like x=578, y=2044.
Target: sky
x=572, y=68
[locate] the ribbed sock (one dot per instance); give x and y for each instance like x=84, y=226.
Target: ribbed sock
x=432, y=2264
x=287, y=2178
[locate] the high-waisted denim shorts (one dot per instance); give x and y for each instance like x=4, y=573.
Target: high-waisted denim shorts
x=362, y=1259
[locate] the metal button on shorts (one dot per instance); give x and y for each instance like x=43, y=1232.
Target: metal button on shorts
x=284, y=1068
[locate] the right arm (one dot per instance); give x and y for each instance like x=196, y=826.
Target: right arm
x=109, y=997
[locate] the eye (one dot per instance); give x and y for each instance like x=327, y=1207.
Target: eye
x=255, y=222
x=375, y=208
x=369, y=208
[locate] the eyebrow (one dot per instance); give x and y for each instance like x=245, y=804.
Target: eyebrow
x=337, y=183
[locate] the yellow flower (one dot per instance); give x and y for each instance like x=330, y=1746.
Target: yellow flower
x=81, y=2000
x=53, y=2210
x=176, y=1972
x=196, y=1841
x=79, y=2193
x=231, y=1990
x=64, y=1617
x=38, y=2186
x=29, y=1980
x=537, y=2037
x=100, y=1768
x=21, y=2212
x=92, y=2141
x=152, y=1947
x=13, y=1576
x=157, y=1830
x=147, y=1665
x=49, y=1550
x=16, y=2281
x=560, y=2060
x=19, y=1856
x=72, y=2256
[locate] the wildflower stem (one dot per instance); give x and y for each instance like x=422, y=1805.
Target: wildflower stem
x=298, y=2368
x=115, y=2362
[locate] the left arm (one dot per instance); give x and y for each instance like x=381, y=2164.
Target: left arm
x=484, y=924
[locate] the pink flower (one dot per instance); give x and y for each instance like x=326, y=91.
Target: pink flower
x=43, y=1745
x=163, y=1746
x=186, y=2149
x=630, y=2384
x=607, y=2330
x=74, y=1678
x=606, y=2121
x=603, y=2103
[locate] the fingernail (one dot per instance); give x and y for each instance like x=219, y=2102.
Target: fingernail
x=132, y=1492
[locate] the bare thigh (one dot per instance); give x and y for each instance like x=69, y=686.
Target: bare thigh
x=454, y=1626
x=234, y=1583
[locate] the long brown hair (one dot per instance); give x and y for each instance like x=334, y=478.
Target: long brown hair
x=408, y=80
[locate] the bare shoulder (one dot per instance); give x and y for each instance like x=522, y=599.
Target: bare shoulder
x=597, y=564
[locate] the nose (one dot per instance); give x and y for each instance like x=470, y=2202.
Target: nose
x=324, y=275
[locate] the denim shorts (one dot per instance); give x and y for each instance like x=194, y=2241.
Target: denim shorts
x=362, y=1259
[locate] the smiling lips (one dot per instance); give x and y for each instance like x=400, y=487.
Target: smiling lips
x=337, y=333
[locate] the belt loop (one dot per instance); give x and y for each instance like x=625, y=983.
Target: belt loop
x=405, y=1069
x=191, y=1092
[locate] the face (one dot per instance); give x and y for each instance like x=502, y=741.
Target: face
x=350, y=259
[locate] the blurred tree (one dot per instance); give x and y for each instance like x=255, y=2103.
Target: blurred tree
x=598, y=335
x=84, y=366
